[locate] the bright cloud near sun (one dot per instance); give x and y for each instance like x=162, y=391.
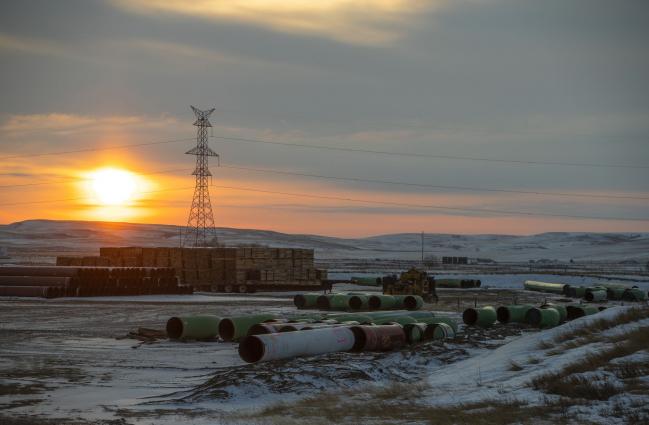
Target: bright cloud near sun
x=366, y=22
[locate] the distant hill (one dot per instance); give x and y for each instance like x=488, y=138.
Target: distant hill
x=47, y=238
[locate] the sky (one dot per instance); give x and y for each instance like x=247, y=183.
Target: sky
x=447, y=116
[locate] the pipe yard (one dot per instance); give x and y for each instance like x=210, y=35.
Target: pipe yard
x=154, y=358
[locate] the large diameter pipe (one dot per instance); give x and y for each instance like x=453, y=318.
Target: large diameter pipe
x=512, y=313
x=563, y=312
x=382, y=302
x=615, y=293
x=359, y=302
x=266, y=328
x=439, y=331
x=232, y=328
x=409, y=302
x=448, y=283
x=577, y=311
x=260, y=348
x=193, y=327
x=543, y=317
x=34, y=281
x=414, y=332
x=577, y=291
x=432, y=331
x=595, y=295
x=378, y=338
x=634, y=294
x=55, y=271
x=333, y=302
x=31, y=291
x=483, y=317
x=554, y=288
x=401, y=320
x=356, y=317
x=303, y=301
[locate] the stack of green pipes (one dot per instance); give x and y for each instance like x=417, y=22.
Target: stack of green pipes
x=545, y=316
x=606, y=291
x=357, y=301
x=264, y=336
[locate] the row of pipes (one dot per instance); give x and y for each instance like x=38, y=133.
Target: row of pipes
x=61, y=281
x=594, y=293
x=266, y=337
x=357, y=301
x=545, y=316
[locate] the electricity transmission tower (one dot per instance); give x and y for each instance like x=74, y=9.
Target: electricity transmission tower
x=200, y=225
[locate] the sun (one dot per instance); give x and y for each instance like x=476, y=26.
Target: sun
x=113, y=186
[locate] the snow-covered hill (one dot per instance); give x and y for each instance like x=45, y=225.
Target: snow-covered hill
x=48, y=238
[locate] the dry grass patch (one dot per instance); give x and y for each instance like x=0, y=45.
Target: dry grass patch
x=379, y=411
x=564, y=382
x=590, y=332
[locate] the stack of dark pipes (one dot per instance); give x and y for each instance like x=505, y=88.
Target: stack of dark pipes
x=266, y=337
x=59, y=281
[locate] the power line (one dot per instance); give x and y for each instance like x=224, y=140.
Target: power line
x=133, y=145
x=341, y=149
x=363, y=180
x=366, y=201
x=426, y=155
x=399, y=183
x=492, y=211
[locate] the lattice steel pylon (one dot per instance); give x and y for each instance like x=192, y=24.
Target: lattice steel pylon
x=200, y=224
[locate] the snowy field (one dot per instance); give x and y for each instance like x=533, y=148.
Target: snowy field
x=68, y=358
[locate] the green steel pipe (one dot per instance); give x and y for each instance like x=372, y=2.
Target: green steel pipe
x=388, y=314
x=382, y=302
x=483, y=317
x=615, y=293
x=409, y=302
x=543, y=317
x=193, y=327
x=634, y=294
x=401, y=320
x=429, y=333
x=337, y=302
x=233, y=328
x=576, y=311
x=514, y=313
x=359, y=302
x=554, y=288
x=303, y=301
x=448, y=283
x=414, y=332
x=357, y=317
x=563, y=313
x=596, y=295
x=440, y=331
x=266, y=328
x=370, y=281
x=577, y=291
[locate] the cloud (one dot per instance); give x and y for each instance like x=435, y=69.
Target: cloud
x=74, y=123
x=377, y=22
x=31, y=45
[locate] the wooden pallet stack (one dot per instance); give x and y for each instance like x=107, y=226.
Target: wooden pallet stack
x=222, y=269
